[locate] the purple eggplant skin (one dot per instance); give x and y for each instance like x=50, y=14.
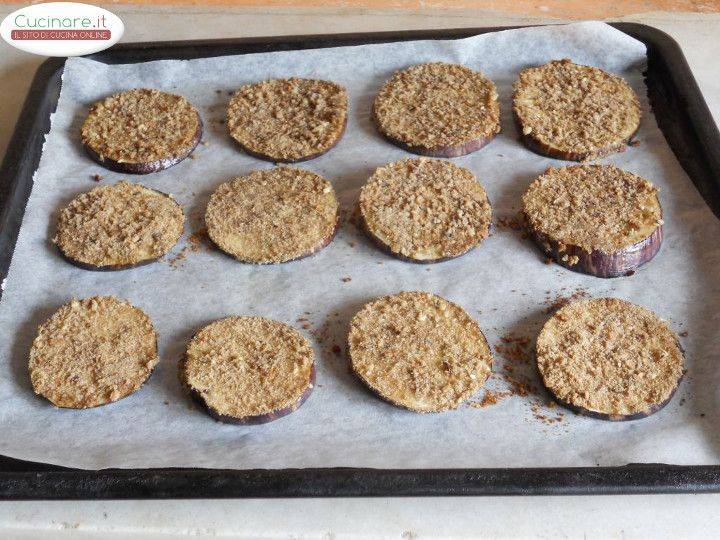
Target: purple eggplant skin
x=109, y=267
x=623, y=262
x=542, y=149
x=451, y=151
x=387, y=249
x=265, y=157
x=150, y=166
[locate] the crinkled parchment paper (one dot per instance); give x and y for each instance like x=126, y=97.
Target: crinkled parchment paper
x=504, y=284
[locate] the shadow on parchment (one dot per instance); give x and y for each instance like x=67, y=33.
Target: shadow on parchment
x=20, y=351
x=171, y=361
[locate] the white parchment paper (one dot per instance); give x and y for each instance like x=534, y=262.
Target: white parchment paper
x=503, y=283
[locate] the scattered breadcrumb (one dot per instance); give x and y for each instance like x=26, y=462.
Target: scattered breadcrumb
x=513, y=223
x=195, y=242
x=561, y=300
x=514, y=348
x=489, y=398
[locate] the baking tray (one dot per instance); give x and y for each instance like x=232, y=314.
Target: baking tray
x=687, y=125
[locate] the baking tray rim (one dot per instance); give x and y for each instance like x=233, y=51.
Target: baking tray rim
x=21, y=479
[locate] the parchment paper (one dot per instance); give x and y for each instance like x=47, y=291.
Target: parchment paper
x=503, y=283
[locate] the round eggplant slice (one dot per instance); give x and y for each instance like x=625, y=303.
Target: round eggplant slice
x=595, y=219
x=288, y=120
x=92, y=352
x=249, y=370
x=609, y=359
x=419, y=351
x=141, y=131
x=424, y=210
x=438, y=110
x=574, y=112
x=118, y=226
x=273, y=215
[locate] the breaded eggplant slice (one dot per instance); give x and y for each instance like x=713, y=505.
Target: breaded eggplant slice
x=288, y=120
x=92, y=352
x=119, y=226
x=438, y=110
x=595, y=219
x=609, y=359
x=141, y=131
x=419, y=351
x=248, y=370
x=574, y=112
x=273, y=215
x=424, y=210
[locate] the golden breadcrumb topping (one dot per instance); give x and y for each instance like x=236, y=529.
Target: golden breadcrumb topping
x=436, y=104
x=92, y=352
x=141, y=126
x=419, y=351
x=595, y=207
x=575, y=109
x=248, y=366
x=288, y=119
x=273, y=215
x=609, y=356
x=119, y=225
x=425, y=209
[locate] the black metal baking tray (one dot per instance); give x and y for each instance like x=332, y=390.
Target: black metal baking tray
x=685, y=121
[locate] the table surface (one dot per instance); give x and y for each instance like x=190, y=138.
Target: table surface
x=545, y=517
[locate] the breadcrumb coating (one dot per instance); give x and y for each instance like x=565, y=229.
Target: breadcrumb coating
x=92, y=352
x=594, y=207
x=609, y=356
x=119, y=225
x=273, y=215
x=141, y=126
x=436, y=106
x=425, y=209
x=287, y=120
x=573, y=111
x=248, y=366
x=419, y=351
